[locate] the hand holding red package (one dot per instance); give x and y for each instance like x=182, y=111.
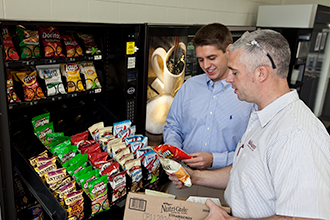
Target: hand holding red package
x=171, y=152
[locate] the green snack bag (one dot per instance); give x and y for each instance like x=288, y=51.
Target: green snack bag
x=86, y=178
x=40, y=120
x=50, y=137
x=28, y=42
x=98, y=193
x=66, y=153
x=76, y=167
x=76, y=159
x=61, y=145
x=57, y=141
x=78, y=175
x=42, y=130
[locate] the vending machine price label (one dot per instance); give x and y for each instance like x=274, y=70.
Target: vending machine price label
x=131, y=62
x=97, y=57
x=130, y=47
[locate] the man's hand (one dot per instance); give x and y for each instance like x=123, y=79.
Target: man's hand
x=200, y=160
x=177, y=183
x=215, y=211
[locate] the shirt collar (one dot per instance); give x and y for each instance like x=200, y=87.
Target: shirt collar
x=211, y=84
x=268, y=113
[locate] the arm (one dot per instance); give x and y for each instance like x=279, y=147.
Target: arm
x=173, y=129
x=209, y=178
x=217, y=213
x=205, y=160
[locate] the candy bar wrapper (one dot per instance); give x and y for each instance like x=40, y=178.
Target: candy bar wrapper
x=174, y=168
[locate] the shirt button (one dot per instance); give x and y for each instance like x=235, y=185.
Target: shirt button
x=211, y=113
x=208, y=128
x=205, y=144
x=214, y=96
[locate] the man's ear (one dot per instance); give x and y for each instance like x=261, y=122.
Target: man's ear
x=227, y=49
x=261, y=73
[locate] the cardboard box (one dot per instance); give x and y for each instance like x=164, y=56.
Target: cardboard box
x=144, y=207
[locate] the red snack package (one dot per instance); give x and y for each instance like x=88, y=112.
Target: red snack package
x=84, y=146
x=99, y=157
x=103, y=165
x=112, y=169
x=51, y=40
x=85, y=143
x=31, y=87
x=95, y=148
x=171, y=152
x=79, y=137
x=11, y=53
x=72, y=47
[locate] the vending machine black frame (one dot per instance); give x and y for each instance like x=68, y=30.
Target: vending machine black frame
x=111, y=103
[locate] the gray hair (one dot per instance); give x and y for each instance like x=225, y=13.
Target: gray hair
x=261, y=47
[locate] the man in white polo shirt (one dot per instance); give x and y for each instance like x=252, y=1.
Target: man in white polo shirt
x=281, y=167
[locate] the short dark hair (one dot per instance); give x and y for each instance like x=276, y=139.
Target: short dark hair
x=213, y=34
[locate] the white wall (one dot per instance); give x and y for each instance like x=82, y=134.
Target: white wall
x=229, y=12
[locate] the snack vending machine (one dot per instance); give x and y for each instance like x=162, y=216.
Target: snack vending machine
x=70, y=105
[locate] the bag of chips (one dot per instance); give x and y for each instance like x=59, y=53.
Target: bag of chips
x=51, y=41
x=10, y=50
x=71, y=46
x=53, y=80
x=72, y=73
x=11, y=94
x=171, y=152
x=88, y=70
x=31, y=87
x=174, y=168
x=89, y=43
x=29, y=42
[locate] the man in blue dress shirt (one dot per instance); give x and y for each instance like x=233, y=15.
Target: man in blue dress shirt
x=206, y=119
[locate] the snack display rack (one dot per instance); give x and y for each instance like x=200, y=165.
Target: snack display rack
x=72, y=112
